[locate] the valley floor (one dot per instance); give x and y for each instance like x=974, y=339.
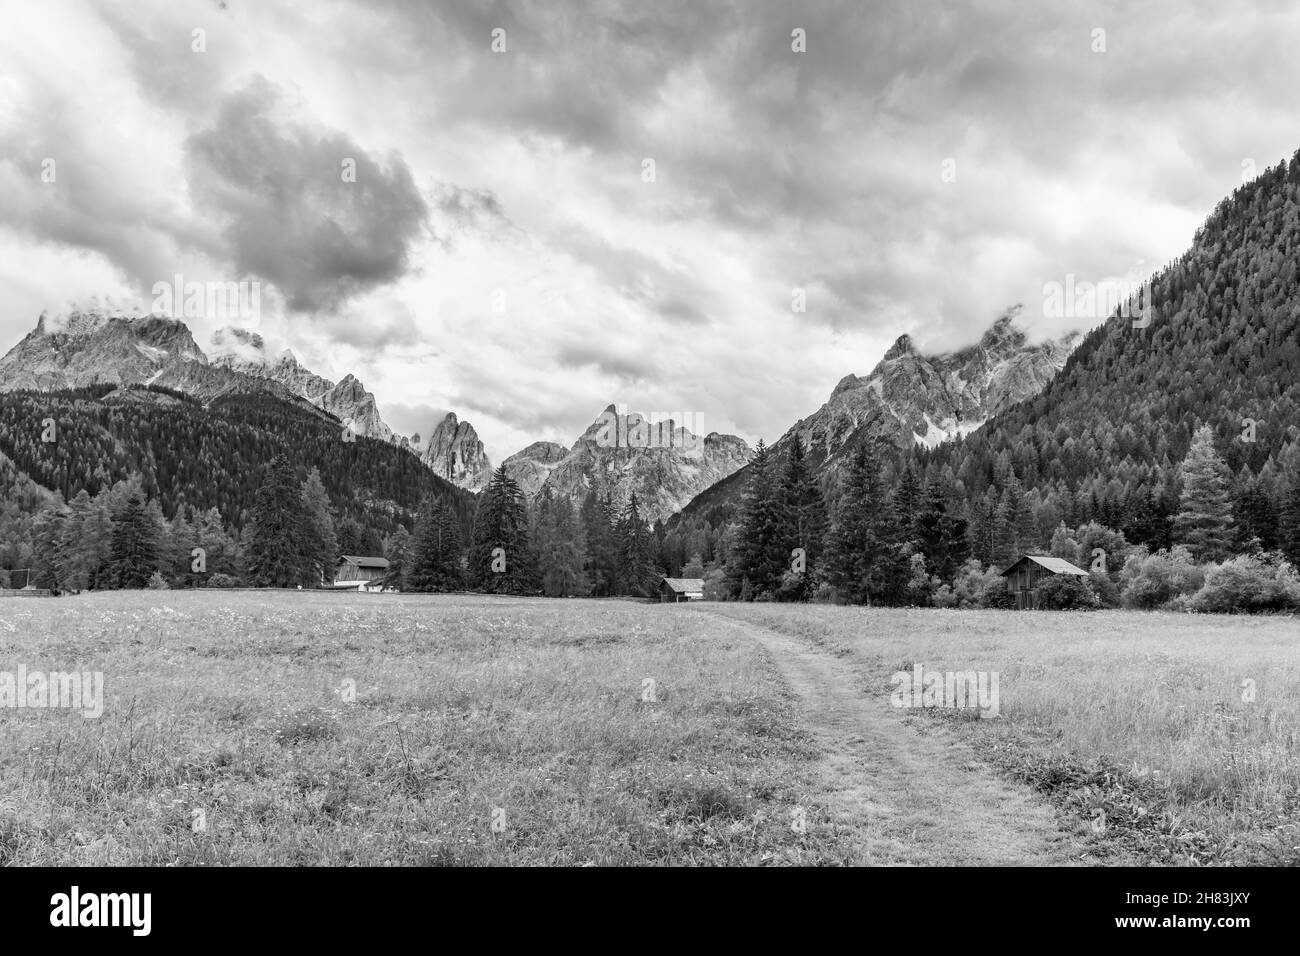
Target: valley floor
x=317, y=728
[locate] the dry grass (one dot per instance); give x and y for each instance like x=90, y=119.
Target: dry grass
x=227, y=710
x=1134, y=719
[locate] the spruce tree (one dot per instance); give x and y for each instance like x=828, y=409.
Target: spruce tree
x=322, y=543
x=501, y=559
x=136, y=550
x=280, y=549
x=852, y=544
x=1289, y=521
x=398, y=554
x=1204, y=519
x=559, y=544
x=760, y=559
x=636, y=544
x=435, y=554
x=602, y=546
x=801, y=517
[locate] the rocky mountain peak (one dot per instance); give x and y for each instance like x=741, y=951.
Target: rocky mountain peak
x=660, y=461
x=455, y=452
x=902, y=346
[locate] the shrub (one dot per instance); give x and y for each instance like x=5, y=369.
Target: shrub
x=158, y=583
x=943, y=597
x=974, y=586
x=1066, y=592
x=220, y=580
x=997, y=597
x=1104, y=588
x=1154, y=580
x=1248, y=583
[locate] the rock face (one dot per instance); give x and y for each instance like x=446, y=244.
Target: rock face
x=92, y=347
x=531, y=467
x=910, y=398
x=348, y=401
x=665, y=465
x=454, y=452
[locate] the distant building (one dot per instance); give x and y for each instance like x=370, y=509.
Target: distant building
x=359, y=572
x=676, y=590
x=1024, y=575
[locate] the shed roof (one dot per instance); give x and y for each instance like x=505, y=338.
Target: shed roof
x=364, y=562
x=1055, y=565
x=685, y=585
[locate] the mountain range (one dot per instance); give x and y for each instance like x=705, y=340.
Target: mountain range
x=94, y=347
x=913, y=400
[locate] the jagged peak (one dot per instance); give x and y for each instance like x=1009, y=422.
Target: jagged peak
x=847, y=382
x=1005, y=332
x=903, y=345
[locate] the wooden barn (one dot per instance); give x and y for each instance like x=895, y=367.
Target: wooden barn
x=676, y=590
x=1028, y=570
x=356, y=571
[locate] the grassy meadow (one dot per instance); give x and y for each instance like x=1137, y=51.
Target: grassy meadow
x=1134, y=724
x=468, y=712
x=315, y=728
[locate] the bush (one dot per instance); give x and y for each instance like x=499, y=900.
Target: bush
x=998, y=597
x=1067, y=592
x=158, y=583
x=1104, y=588
x=974, y=586
x=220, y=580
x=1248, y=583
x=827, y=594
x=1154, y=580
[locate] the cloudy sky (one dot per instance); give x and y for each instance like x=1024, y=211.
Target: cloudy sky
x=480, y=229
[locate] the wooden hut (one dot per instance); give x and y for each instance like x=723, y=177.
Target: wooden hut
x=1025, y=573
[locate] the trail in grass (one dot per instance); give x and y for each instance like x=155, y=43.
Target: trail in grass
x=912, y=799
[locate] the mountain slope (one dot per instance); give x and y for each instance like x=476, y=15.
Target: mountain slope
x=1222, y=346
x=664, y=465
x=348, y=401
x=211, y=455
x=911, y=400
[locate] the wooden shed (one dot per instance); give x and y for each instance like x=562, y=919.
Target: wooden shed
x=676, y=590
x=1028, y=570
x=356, y=570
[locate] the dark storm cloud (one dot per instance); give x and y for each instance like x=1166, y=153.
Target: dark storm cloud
x=288, y=212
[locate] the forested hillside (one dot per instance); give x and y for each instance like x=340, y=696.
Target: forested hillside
x=1174, y=433
x=188, y=456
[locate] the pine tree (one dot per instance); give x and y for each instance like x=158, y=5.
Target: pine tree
x=602, y=546
x=435, y=554
x=501, y=560
x=1289, y=521
x=398, y=554
x=760, y=558
x=136, y=551
x=636, y=543
x=559, y=543
x=801, y=517
x=322, y=544
x=1204, y=519
x=853, y=546
x=940, y=535
x=280, y=549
